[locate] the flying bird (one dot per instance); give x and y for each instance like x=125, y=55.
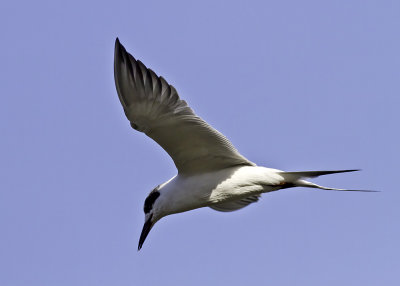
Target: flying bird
x=211, y=172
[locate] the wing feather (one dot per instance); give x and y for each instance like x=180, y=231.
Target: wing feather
x=154, y=107
x=235, y=205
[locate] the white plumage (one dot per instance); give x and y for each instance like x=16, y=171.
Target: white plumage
x=211, y=172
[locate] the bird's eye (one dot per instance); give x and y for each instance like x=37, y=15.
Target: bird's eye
x=148, y=203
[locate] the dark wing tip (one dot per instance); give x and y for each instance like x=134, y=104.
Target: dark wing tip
x=122, y=67
x=119, y=51
x=117, y=44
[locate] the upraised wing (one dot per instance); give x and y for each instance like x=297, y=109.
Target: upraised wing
x=154, y=107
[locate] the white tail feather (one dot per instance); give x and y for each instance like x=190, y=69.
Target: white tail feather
x=295, y=179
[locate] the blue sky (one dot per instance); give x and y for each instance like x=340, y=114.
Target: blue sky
x=295, y=85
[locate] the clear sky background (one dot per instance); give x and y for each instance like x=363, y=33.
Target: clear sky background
x=295, y=85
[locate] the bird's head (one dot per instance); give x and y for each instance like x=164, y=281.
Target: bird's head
x=152, y=212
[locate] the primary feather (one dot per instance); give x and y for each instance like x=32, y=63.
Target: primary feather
x=154, y=107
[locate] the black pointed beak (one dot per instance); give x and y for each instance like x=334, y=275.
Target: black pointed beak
x=145, y=231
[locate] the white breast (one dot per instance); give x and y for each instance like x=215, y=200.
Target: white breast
x=184, y=193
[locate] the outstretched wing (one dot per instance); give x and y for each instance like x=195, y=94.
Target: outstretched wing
x=154, y=107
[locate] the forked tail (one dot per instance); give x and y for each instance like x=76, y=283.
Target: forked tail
x=295, y=179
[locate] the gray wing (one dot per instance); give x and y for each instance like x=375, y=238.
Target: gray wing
x=235, y=205
x=154, y=107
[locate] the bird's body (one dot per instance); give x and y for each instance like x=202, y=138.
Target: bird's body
x=211, y=172
x=187, y=192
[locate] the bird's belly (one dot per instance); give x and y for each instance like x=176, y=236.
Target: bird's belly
x=200, y=190
x=235, y=190
x=240, y=182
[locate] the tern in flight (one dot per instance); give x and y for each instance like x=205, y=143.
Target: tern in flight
x=211, y=172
